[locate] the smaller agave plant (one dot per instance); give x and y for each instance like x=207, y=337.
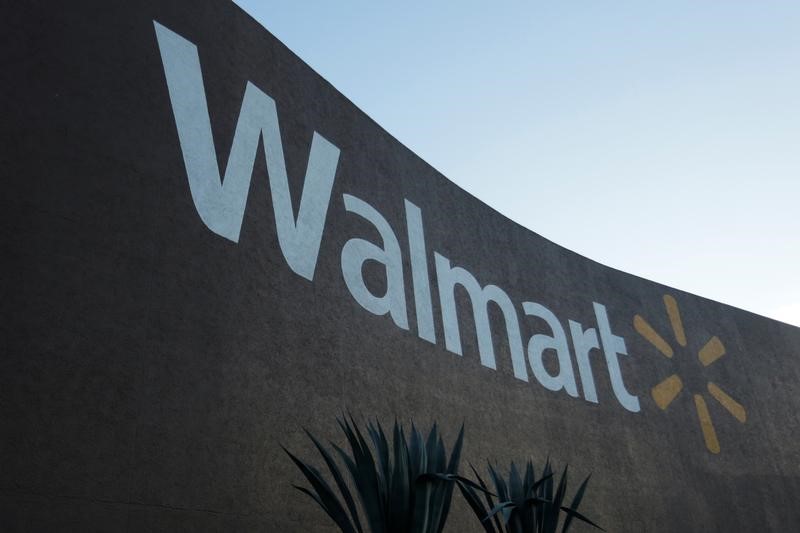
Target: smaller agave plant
x=524, y=504
x=402, y=486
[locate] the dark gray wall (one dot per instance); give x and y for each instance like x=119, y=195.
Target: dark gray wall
x=150, y=368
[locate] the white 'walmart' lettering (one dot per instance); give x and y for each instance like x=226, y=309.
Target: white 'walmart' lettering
x=221, y=202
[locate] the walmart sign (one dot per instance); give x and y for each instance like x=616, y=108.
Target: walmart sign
x=220, y=203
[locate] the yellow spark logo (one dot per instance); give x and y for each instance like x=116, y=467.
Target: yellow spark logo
x=666, y=391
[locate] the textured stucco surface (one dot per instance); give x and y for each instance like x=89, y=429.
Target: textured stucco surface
x=150, y=369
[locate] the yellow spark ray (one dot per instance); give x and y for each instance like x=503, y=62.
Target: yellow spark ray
x=733, y=407
x=712, y=351
x=667, y=390
x=675, y=319
x=709, y=435
x=647, y=331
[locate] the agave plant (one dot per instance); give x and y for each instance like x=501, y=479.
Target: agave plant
x=524, y=504
x=402, y=487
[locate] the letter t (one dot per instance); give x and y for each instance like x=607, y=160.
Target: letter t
x=613, y=346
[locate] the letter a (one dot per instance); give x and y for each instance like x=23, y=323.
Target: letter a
x=358, y=251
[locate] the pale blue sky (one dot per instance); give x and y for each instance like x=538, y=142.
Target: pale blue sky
x=660, y=138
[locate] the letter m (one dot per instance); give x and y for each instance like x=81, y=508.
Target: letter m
x=221, y=202
x=448, y=277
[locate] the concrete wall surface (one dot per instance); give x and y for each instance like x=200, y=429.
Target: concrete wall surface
x=163, y=335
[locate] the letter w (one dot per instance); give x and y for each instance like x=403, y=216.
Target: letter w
x=221, y=203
